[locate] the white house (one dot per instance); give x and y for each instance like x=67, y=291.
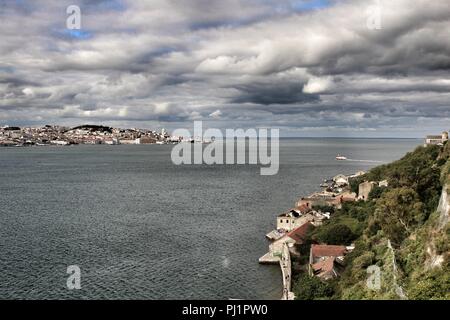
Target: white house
x=437, y=139
x=341, y=180
x=293, y=218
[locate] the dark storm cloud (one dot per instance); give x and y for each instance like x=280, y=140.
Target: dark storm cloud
x=270, y=94
x=296, y=64
x=15, y=82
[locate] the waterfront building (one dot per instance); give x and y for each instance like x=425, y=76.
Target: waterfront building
x=59, y=142
x=340, y=180
x=129, y=141
x=294, y=237
x=147, y=140
x=292, y=218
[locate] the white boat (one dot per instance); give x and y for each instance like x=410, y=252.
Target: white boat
x=339, y=157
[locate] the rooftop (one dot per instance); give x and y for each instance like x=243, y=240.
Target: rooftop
x=300, y=233
x=324, y=250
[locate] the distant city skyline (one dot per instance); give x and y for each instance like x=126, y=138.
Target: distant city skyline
x=283, y=133
x=312, y=68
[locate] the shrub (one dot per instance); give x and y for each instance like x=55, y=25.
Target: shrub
x=364, y=260
x=310, y=288
x=338, y=234
x=376, y=192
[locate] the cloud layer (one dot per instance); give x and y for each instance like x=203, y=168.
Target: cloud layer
x=308, y=67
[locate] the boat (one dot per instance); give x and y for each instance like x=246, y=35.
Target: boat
x=339, y=157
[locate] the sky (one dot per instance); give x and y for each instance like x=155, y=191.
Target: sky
x=345, y=68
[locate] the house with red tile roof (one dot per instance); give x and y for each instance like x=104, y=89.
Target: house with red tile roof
x=326, y=269
x=294, y=237
x=299, y=234
x=326, y=261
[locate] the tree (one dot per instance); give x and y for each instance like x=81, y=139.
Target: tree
x=376, y=192
x=338, y=234
x=398, y=212
x=310, y=288
x=355, y=182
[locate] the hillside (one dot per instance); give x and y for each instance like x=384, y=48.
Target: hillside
x=93, y=128
x=402, y=229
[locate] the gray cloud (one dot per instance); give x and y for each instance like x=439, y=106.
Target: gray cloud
x=250, y=63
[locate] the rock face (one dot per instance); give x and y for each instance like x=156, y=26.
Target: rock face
x=433, y=259
x=443, y=208
x=398, y=289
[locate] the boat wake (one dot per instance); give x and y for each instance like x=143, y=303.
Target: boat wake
x=360, y=160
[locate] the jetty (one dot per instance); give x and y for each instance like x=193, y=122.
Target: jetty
x=284, y=260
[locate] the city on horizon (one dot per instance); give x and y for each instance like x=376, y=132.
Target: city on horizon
x=311, y=134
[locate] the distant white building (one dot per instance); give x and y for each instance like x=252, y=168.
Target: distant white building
x=341, y=180
x=383, y=183
x=130, y=141
x=59, y=142
x=437, y=140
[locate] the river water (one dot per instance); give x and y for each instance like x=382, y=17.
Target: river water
x=140, y=227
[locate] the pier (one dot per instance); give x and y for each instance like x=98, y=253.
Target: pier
x=284, y=259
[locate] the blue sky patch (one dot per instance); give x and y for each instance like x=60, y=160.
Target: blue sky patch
x=307, y=5
x=78, y=34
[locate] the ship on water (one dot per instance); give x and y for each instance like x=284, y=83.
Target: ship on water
x=339, y=157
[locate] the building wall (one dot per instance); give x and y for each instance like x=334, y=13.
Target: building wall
x=364, y=190
x=290, y=223
x=437, y=139
x=134, y=141
x=286, y=223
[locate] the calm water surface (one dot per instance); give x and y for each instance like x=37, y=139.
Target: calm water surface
x=140, y=227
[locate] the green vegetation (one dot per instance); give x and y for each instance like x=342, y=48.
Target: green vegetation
x=398, y=212
x=308, y=288
x=339, y=234
x=93, y=128
x=397, y=229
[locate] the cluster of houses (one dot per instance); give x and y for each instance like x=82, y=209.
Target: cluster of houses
x=292, y=230
x=334, y=193
x=293, y=226
x=86, y=134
